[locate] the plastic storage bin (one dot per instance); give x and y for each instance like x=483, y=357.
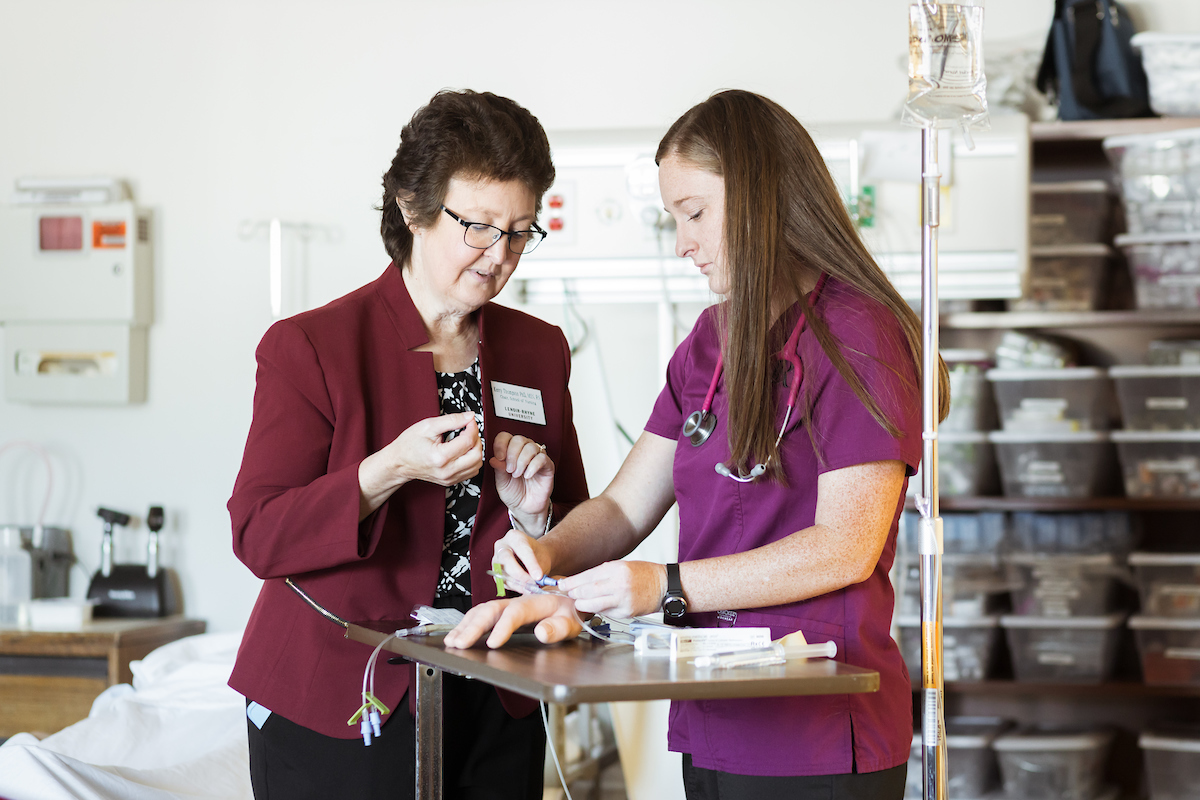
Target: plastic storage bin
x=966, y=465
x=1162, y=216
x=1156, y=167
x=1045, y=764
x=973, y=584
x=1074, y=212
x=971, y=771
x=1165, y=268
x=971, y=405
x=1074, y=533
x=1054, y=464
x=1062, y=585
x=1168, y=583
x=968, y=646
x=1172, y=764
x=1169, y=648
x=1062, y=649
x=1052, y=400
x=1159, y=463
x=1174, y=353
x=1172, y=64
x=1158, y=398
x=1071, y=277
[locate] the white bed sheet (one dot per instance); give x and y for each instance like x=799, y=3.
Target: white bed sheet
x=178, y=732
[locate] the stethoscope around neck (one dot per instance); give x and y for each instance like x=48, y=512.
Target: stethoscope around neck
x=700, y=424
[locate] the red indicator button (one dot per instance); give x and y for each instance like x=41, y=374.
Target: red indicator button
x=556, y=201
x=556, y=223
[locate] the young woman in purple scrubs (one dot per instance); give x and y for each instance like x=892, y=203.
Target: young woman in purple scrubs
x=788, y=505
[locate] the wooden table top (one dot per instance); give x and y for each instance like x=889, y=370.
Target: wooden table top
x=99, y=635
x=589, y=671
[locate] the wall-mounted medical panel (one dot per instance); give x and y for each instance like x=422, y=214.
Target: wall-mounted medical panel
x=605, y=202
x=610, y=241
x=609, y=238
x=76, y=263
x=77, y=364
x=983, y=235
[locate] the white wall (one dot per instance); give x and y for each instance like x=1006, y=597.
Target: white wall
x=226, y=110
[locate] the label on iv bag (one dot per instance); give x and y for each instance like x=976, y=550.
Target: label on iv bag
x=518, y=402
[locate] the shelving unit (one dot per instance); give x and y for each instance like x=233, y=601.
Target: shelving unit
x=1072, y=151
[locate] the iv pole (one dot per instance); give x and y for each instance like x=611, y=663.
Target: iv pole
x=933, y=750
x=933, y=26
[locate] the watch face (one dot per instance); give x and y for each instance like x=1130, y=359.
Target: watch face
x=674, y=607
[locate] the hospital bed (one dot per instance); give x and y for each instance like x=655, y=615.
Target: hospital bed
x=177, y=731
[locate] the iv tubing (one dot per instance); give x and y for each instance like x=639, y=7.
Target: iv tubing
x=329, y=615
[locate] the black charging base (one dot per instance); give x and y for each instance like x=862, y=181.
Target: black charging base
x=128, y=591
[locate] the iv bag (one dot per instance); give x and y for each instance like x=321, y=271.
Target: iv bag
x=946, y=84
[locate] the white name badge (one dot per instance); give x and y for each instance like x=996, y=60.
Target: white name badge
x=518, y=402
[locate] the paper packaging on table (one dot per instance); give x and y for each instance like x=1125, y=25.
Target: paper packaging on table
x=667, y=640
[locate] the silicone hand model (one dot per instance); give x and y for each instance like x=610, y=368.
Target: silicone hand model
x=555, y=617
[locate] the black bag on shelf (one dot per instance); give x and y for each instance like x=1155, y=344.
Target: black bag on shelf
x=1090, y=65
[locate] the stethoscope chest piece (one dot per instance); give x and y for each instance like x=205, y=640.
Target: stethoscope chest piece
x=699, y=426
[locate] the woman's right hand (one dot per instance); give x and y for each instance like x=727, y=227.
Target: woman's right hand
x=521, y=556
x=421, y=454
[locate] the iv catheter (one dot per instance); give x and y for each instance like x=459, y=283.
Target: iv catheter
x=426, y=629
x=531, y=586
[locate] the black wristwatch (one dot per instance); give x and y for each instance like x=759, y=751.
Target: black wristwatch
x=674, y=604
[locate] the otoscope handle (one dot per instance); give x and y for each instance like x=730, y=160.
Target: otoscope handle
x=154, y=521
x=110, y=518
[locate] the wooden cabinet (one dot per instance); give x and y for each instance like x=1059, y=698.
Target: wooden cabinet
x=1118, y=335
x=48, y=679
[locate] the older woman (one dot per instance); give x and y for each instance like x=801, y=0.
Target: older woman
x=364, y=489
x=786, y=432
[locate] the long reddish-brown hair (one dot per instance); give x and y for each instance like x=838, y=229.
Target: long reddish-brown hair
x=785, y=223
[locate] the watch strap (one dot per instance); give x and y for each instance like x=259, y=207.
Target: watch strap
x=674, y=585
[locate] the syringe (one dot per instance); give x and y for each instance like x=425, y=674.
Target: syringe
x=766, y=656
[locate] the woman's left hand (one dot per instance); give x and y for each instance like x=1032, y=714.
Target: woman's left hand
x=524, y=479
x=620, y=589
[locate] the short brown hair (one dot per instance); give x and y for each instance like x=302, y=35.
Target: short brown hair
x=476, y=134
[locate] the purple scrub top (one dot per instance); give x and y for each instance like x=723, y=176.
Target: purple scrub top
x=815, y=735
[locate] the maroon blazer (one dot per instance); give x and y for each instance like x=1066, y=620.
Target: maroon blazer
x=334, y=385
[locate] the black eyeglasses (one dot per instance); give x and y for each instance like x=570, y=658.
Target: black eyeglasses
x=482, y=236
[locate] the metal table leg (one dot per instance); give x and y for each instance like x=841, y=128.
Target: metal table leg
x=429, y=732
